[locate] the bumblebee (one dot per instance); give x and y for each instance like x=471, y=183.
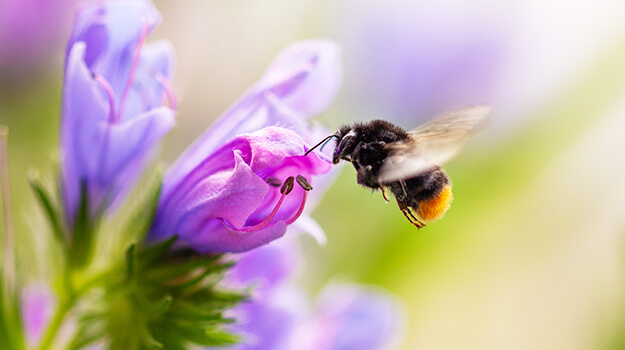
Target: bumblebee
x=407, y=163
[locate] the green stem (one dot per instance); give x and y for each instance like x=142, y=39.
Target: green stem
x=75, y=292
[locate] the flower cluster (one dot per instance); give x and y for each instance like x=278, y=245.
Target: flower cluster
x=170, y=283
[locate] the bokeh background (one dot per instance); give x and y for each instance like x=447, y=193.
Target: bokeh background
x=532, y=253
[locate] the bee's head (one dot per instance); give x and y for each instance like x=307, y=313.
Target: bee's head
x=346, y=141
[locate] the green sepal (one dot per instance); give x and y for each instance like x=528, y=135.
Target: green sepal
x=52, y=211
x=80, y=249
x=164, y=305
x=165, y=300
x=150, y=254
x=169, y=271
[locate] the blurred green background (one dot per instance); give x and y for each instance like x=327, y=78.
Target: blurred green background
x=531, y=254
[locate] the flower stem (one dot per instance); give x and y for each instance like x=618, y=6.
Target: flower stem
x=8, y=272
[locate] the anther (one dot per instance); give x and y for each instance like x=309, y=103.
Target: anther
x=274, y=182
x=287, y=187
x=303, y=183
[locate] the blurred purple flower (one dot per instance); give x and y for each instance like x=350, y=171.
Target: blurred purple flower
x=224, y=193
x=114, y=97
x=37, y=306
x=266, y=322
x=279, y=316
x=413, y=60
x=353, y=317
x=30, y=30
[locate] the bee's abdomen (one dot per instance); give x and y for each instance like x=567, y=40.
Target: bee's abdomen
x=435, y=207
x=429, y=193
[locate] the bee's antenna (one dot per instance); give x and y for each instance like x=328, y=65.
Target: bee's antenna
x=321, y=143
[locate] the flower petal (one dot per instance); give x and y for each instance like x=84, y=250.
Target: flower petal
x=306, y=224
x=84, y=107
x=129, y=148
x=306, y=76
x=263, y=267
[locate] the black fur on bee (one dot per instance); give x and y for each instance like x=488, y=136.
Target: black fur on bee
x=363, y=144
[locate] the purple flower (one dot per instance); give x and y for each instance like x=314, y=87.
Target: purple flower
x=273, y=314
x=37, y=306
x=226, y=192
x=30, y=30
x=279, y=316
x=353, y=317
x=115, y=97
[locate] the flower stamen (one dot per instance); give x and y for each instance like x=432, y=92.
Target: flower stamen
x=299, y=210
x=168, y=89
x=286, y=188
x=133, y=69
x=109, y=92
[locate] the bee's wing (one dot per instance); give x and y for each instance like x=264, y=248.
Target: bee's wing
x=431, y=144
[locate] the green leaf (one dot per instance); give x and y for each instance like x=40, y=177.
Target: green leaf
x=11, y=333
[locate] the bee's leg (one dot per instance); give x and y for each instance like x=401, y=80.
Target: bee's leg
x=413, y=220
x=418, y=223
x=384, y=193
x=408, y=214
x=403, y=188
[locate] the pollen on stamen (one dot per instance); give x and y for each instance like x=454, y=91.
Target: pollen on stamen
x=273, y=182
x=303, y=183
x=287, y=187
